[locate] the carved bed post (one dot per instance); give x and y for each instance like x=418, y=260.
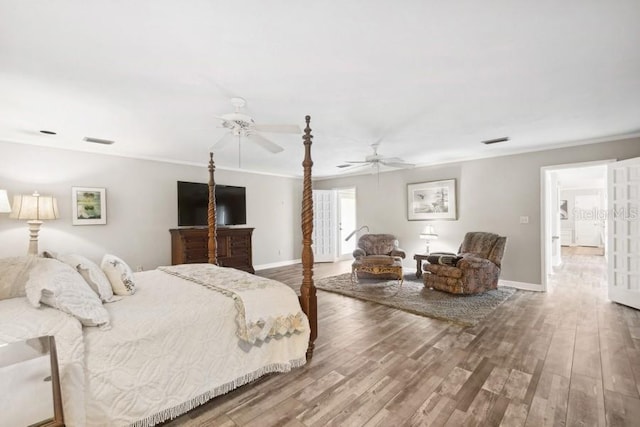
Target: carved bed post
x=211, y=214
x=308, y=299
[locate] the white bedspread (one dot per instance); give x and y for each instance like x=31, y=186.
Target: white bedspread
x=172, y=346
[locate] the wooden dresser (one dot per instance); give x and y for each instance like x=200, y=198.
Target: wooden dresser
x=189, y=245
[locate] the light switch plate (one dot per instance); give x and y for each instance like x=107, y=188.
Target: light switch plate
x=524, y=220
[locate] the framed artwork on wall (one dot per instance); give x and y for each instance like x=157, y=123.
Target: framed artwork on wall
x=564, y=209
x=431, y=200
x=89, y=205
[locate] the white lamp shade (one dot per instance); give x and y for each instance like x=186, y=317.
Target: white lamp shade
x=4, y=202
x=34, y=207
x=429, y=233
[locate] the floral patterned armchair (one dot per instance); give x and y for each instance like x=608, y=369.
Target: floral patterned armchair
x=378, y=250
x=474, y=269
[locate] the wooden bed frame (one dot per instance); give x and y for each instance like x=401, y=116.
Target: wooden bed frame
x=308, y=299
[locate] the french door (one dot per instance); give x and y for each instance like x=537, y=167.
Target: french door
x=324, y=225
x=624, y=232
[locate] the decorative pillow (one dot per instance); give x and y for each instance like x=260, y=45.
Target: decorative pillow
x=119, y=274
x=14, y=273
x=92, y=274
x=58, y=285
x=446, y=259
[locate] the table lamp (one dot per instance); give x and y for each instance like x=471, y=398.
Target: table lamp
x=428, y=233
x=5, y=207
x=34, y=208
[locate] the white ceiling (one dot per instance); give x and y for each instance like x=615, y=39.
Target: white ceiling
x=432, y=78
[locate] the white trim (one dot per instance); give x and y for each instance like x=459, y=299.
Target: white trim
x=521, y=285
x=277, y=264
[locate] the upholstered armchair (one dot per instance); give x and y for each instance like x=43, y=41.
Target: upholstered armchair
x=475, y=269
x=378, y=256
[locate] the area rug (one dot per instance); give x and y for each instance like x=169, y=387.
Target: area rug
x=413, y=297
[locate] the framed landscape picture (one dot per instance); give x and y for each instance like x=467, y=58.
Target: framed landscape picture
x=431, y=200
x=88, y=206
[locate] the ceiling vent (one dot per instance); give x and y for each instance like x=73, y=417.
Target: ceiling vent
x=98, y=140
x=495, y=141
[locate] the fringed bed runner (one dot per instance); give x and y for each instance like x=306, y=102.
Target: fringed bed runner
x=266, y=308
x=176, y=411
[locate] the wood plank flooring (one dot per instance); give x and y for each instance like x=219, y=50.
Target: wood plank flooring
x=565, y=357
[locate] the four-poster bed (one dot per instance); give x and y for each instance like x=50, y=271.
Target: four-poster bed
x=308, y=298
x=189, y=333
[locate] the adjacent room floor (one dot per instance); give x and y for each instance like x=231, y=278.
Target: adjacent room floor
x=568, y=356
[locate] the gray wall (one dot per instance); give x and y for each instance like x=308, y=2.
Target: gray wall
x=492, y=195
x=141, y=205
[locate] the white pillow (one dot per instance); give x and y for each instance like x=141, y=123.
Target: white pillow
x=92, y=274
x=119, y=274
x=58, y=285
x=14, y=273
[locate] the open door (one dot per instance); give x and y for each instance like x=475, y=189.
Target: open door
x=624, y=232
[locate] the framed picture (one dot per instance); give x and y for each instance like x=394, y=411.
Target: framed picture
x=88, y=205
x=431, y=200
x=564, y=209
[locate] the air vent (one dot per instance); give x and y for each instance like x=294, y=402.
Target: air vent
x=495, y=141
x=98, y=140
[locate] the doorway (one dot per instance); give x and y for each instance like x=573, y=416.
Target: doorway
x=334, y=217
x=574, y=199
x=346, y=221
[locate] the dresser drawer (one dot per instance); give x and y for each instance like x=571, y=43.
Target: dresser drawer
x=233, y=247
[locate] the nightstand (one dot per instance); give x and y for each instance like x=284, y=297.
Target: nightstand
x=419, y=258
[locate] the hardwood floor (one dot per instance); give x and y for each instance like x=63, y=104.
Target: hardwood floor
x=565, y=357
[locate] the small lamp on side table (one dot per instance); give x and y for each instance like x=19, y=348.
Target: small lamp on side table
x=428, y=233
x=34, y=208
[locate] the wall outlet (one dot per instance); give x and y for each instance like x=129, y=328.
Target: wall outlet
x=139, y=268
x=524, y=220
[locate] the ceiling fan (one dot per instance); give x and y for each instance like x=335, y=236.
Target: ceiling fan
x=243, y=125
x=375, y=160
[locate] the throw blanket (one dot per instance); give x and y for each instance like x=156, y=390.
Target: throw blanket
x=265, y=308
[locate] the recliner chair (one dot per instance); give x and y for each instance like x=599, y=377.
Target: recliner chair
x=377, y=256
x=475, y=269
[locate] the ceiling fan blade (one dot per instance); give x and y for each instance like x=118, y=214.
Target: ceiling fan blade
x=392, y=160
x=352, y=166
x=356, y=161
x=397, y=164
x=265, y=143
x=223, y=142
x=278, y=128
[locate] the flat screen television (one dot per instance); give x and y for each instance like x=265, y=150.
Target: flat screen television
x=193, y=200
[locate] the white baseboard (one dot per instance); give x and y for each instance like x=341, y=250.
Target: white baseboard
x=521, y=285
x=277, y=264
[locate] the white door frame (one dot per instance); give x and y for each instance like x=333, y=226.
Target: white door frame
x=545, y=226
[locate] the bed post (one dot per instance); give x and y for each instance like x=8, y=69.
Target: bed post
x=308, y=299
x=211, y=214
